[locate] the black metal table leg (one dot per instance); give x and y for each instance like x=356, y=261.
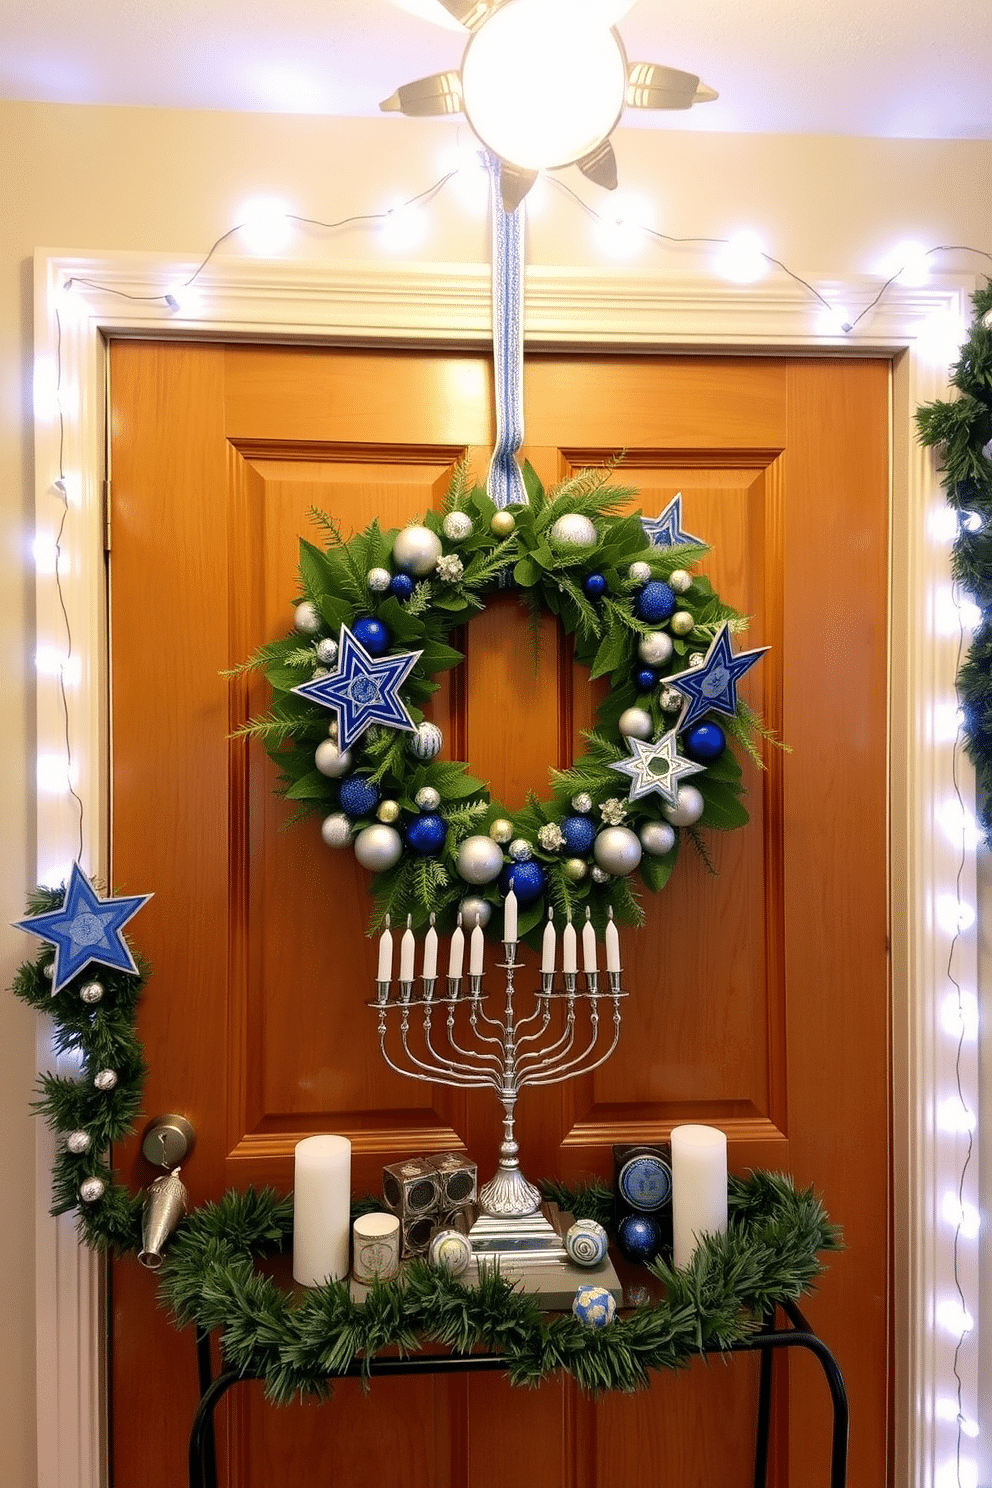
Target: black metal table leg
x=202, y=1461
x=764, y=1412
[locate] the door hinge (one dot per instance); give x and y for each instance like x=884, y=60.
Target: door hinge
x=106, y=517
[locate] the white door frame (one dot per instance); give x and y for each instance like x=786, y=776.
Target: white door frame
x=622, y=311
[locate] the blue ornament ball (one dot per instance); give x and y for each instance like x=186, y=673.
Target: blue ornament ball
x=426, y=833
x=358, y=796
x=655, y=602
x=594, y=584
x=525, y=879
x=645, y=679
x=372, y=634
x=594, y=1306
x=578, y=832
x=639, y=1237
x=401, y=585
x=705, y=742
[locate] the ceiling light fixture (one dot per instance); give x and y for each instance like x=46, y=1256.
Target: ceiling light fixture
x=543, y=84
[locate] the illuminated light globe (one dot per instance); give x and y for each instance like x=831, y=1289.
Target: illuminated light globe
x=568, y=77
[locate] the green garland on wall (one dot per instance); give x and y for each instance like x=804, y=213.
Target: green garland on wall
x=961, y=432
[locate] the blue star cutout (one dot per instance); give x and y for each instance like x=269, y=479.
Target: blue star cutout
x=714, y=684
x=85, y=929
x=363, y=689
x=665, y=531
x=655, y=766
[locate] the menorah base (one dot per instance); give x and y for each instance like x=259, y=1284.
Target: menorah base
x=530, y=1253
x=509, y=1195
x=531, y=1237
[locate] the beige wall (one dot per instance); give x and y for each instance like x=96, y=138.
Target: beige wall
x=91, y=178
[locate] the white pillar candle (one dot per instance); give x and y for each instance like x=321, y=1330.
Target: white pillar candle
x=456, y=955
x=476, y=951
x=612, y=945
x=408, y=946
x=568, y=947
x=321, y=1210
x=588, y=945
x=385, y=955
x=510, y=917
x=430, y=953
x=548, y=946
x=375, y=1247
x=699, y=1187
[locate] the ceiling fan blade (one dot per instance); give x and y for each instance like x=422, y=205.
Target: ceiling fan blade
x=471, y=13
x=600, y=165
x=441, y=93
x=514, y=184
x=651, y=86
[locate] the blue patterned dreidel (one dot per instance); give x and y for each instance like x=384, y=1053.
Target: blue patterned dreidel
x=586, y=1243
x=594, y=1306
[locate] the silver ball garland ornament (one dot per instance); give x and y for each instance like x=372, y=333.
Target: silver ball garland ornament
x=336, y=829
x=78, y=1142
x=379, y=580
x=680, y=581
x=416, y=551
x=388, y=811
x=427, y=798
x=457, y=526
x=91, y=992
x=475, y=910
x=502, y=523
x=599, y=875
x=91, y=1190
x=575, y=870
x=681, y=623
x=657, y=838
x=306, y=618
x=521, y=850
x=105, y=1079
x=582, y=803
x=572, y=530
x=640, y=573
x=550, y=837
x=330, y=760
x=378, y=847
x=688, y=808
x=426, y=741
x=501, y=830
x=635, y=723
x=670, y=700
x=327, y=652
x=480, y=859
x=617, y=851
x=655, y=649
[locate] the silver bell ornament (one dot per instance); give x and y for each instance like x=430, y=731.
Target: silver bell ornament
x=657, y=838
x=327, y=651
x=572, y=530
x=681, y=623
x=388, y=811
x=617, y=850
x=427, y=798
x=416, y=551
x=635, y=723
x=688, y=808
x=330, y=760
x=475, y=910
x=655, y=649
x=680, y=581
x=105, y=1079
x=306, y=618
x=336, y=829
x=457, y=526
x=78, y=1142
x=379, y=580
x=521, y=850
x=91, y=992
x=425, y=741
x=501, y=830
x=575, y=870
x=165, y=1204
x=378, y=848
x=640, y=573
x=480, y=860
x=91, y=1190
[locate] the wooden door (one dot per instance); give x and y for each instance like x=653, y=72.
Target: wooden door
x=760, y=994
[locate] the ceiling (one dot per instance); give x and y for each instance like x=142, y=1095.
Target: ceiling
x=888, y=68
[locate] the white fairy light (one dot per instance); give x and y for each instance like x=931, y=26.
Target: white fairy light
x=621, y=229
x=54, y=774
x=834, y=320
x=403, y=227
x=959, y=1016
x=958, y=824
x=264, y=225
x=946, y=722
x=962, y=1217
x=53, y=663
x=742, y=258
x=954, y=1116
x=183, y=298
x=907, y=263
x=953, y=1318
x=942, y=524
x=953, y=915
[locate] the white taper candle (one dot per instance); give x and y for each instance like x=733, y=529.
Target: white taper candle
x=510, y=916
x=456, y=955
x=548, y=945
x=408, y=947
x=430, y=953
x=568, y=948
x=385, y=954
x=612, y=945
x=588, y=945
x=476, y=950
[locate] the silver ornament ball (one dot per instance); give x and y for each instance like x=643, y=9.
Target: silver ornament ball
x=572, y=530
x=379, y=580
x=617, y=850
x=427, y=798
x=635, y=723
x=670, y=700
x=91, y=992
x=48, y=970
x=378, y=848
x=91, y=1190
x=416, y=551
x=600, y=875
x=475, y=910
x=78, y=1142
x=681, y=623
x=657, y=838
x=457, y=526
x=480, y=859
x=688, y=808
x=640, y=573
x=388, y=811
x=521, y=850
x=336, y=829
x=307, y=618
x=327, y=651
x=426, y=741
x=655, y=649
x=582, y=803
x=680, y=581
x=105, y=1080
x=330, y=760
x=332, y=729
x=501, y=830
x=575, y=870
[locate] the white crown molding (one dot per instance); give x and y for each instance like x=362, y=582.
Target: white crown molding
x=450, y=305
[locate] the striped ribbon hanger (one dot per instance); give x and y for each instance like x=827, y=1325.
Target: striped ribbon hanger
x=505, y=483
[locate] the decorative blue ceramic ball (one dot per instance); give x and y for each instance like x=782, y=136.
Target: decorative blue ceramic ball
x=645, y=679
x=372, y=634
x=655, y=602
x=594, y=1306
x=578, y=832
x=639, y=1237
x=594, y=585
x=704, y=742
x=525, y=879
x=358, y=796
x=426, y=834
x=401, y=585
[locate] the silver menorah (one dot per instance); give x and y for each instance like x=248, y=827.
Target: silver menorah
x=461, y=1045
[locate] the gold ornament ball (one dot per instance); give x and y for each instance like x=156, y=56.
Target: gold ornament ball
x=503, y=523
x=575, y=870
x=681, y=623
x=388, y=811
x=501, y=830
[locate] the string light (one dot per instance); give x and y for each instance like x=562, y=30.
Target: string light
x=742, y=259
x=265, y=225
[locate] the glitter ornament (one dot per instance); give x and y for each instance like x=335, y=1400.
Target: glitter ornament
x=330, y=760
x=655, y=602
x=582, y=802
x=425, y=835
x=670, y=701
x=681, y=623
x=502, y=523
x=657, y=838
x=655, y=649
x=105, y=1080
x=501, y=830
x=371, y=634
x=639, y=1237
x=426, y=741
x=378, y=848
x=78, y=1142
x=416, y=551
x=688, y=808
x=401, y=586
x=645, y=679
x=600, y=875
x=578, y=832
x=635, y=723
x=697, y=659
x=613, y=811
x=586, y=1242
x=594, y=585
x=475, y=910
x=618, y=851
x=327, y=651
x=320, y=671
x=91, y=992
x=379, y=580
x=306, y=618
x=550, y=837
x=427, y=798
x=450, y=568
x=358, y=796
x=480, y=860
x=521, y=850
x=705, y=742
x=336, y=829
x=527, y=881
x=457, y=526
x=640, y=573
x=594, y=1306
x=91, y=1190
x=680, y=581
x=572, y=530
x=575, y=870
x=388, y=811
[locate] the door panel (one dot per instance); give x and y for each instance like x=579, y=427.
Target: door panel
x=760, y=992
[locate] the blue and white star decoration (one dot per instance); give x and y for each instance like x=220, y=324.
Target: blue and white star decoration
x=665, y=531
x=713, y=685
x=655, y=766
x=85, y=929
x=363, y=689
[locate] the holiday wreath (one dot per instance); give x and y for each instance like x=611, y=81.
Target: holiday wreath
x=373, y=628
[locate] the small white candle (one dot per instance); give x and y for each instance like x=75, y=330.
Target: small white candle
x=699, y=1187
x=548, y=946
x=568, y=948
x=476, y=951
x=457, y=953
x=612, y=945
x=430, y=953
x=588, y=945
x=385, y=954
x=510, y=917
x=321, y=1210
x=408, y=946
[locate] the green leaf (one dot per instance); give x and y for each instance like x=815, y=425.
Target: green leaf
x=311, y=787
x=724, y=808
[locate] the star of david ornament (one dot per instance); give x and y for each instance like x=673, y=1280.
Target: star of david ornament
x=655, y=766
x=713, y=685
x=665, y=531
x=363, y=689
x=85, y=929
